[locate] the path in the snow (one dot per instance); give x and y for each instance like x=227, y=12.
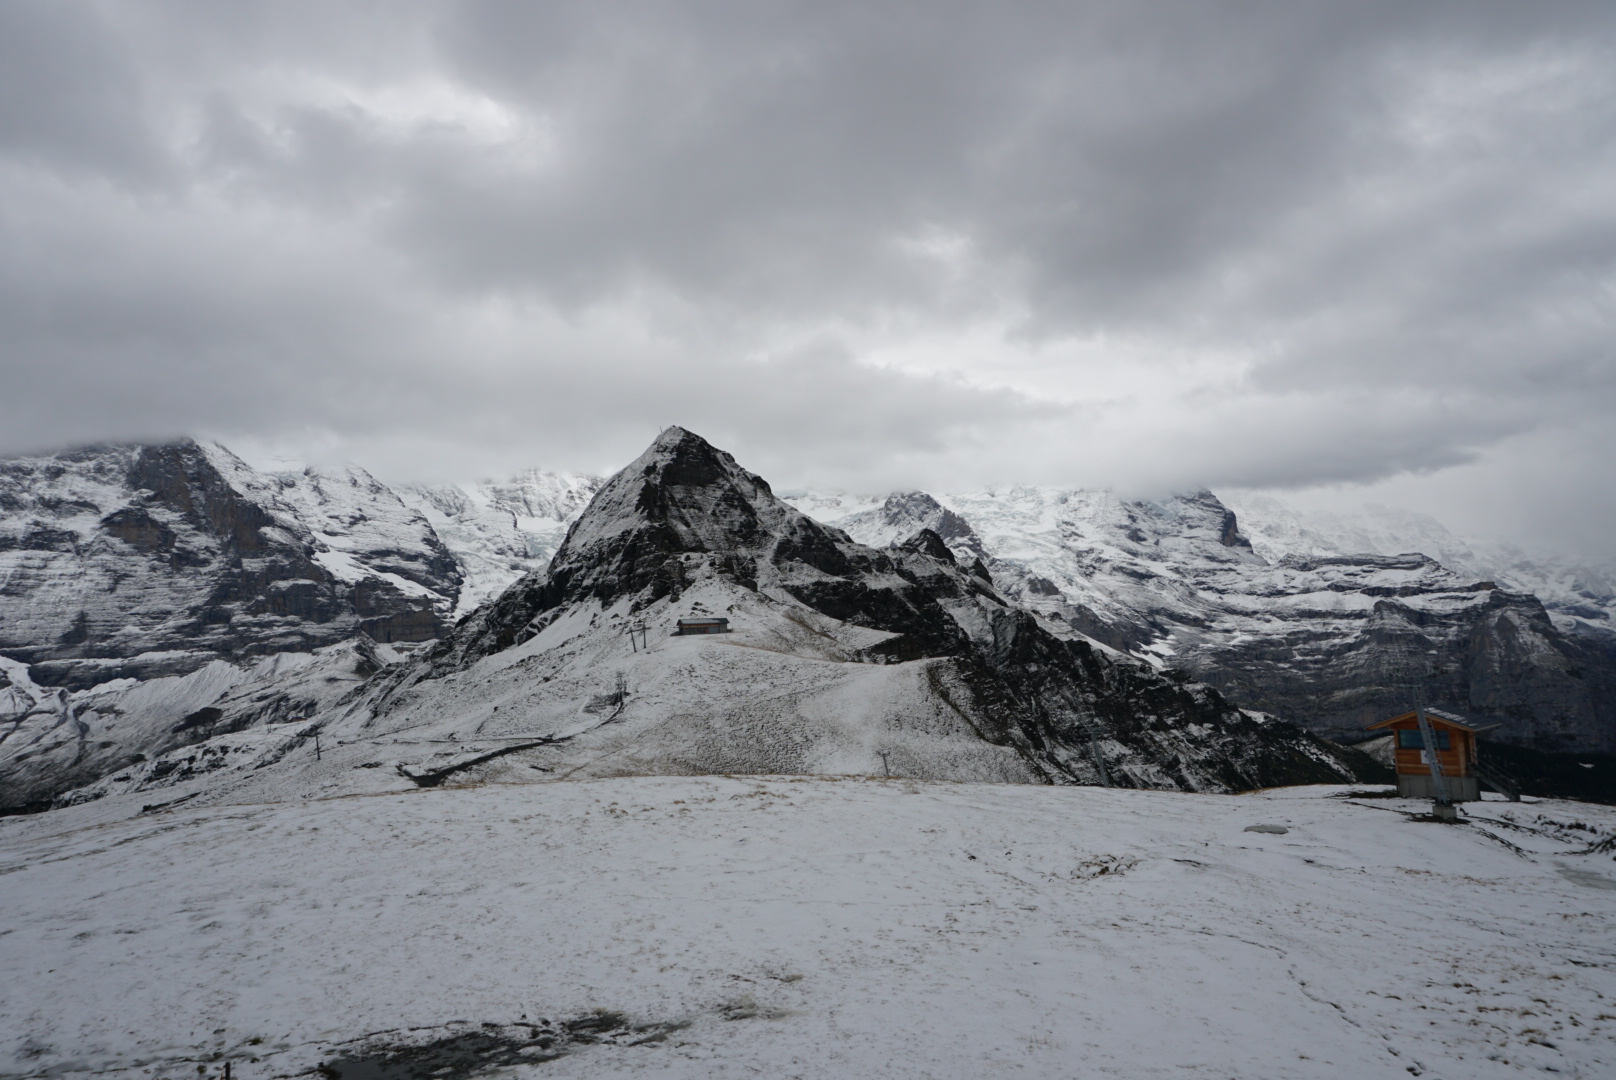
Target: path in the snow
x=818, y=928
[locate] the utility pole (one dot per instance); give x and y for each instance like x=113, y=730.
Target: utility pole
x=1442, y=807
x=885, y=768
x=316, y=746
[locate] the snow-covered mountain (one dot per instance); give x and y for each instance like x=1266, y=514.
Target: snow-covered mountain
x=842, y=659
x=1580, y=595
x=122, y=564
x=498, y=532
x=1332, y=639
x=143, y=561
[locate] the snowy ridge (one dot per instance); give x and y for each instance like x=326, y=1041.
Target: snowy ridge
x=1580, y=596
x=142, y=561
x=141, y=735
x=365, y=531
x=498, y=532
x=1324, y=636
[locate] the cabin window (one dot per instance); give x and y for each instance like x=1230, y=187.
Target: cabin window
x=1411, y=739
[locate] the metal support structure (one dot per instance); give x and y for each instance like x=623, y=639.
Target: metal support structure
x=1498, y=781
x=1441, y=806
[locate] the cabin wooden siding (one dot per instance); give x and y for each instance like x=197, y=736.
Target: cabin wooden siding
x=1456, y=760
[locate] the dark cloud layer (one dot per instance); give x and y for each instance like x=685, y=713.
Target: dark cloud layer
x=1143, y=244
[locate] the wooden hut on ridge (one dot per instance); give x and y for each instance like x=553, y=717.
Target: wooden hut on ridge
x=1455, y=739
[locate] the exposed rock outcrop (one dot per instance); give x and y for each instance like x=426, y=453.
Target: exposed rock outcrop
x=142, y=561
x=1331, y=641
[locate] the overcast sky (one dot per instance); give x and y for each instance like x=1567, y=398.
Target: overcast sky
x=1347, y=251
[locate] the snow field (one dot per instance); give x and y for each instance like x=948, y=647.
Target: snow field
x=818, y=927
x=780, y=694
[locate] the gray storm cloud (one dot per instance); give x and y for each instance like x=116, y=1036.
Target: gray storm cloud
x=1150, y=245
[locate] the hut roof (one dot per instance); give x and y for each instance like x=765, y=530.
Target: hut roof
x=1441, y=717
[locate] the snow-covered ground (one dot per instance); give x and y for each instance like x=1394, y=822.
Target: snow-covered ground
x=814, y=927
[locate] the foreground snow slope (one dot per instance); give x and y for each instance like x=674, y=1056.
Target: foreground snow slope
x=816, y=927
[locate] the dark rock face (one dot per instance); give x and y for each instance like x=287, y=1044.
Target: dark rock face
x=1486, y=653
x=1228, y=528
x=1073, y=713
x=927, y=542
x=142, y=561
x=1332, y=642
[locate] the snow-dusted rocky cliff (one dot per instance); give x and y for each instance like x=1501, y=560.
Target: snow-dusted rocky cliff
x=144, y=561
x=498, y=532
x=1327, y=638
x=1579, y=594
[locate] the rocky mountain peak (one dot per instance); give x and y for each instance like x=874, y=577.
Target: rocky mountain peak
x=906, y=513
x=1202, y=510
x=681, y=495
x=681, y=507
x=927, y=542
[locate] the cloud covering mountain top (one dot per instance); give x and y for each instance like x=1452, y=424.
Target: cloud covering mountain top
x=1149, y=245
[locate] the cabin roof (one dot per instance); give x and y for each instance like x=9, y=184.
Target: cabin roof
x=1446, y=719
x=708, y=620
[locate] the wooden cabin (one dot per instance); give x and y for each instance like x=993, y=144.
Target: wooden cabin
x=702, y=626
x=1455, y=748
